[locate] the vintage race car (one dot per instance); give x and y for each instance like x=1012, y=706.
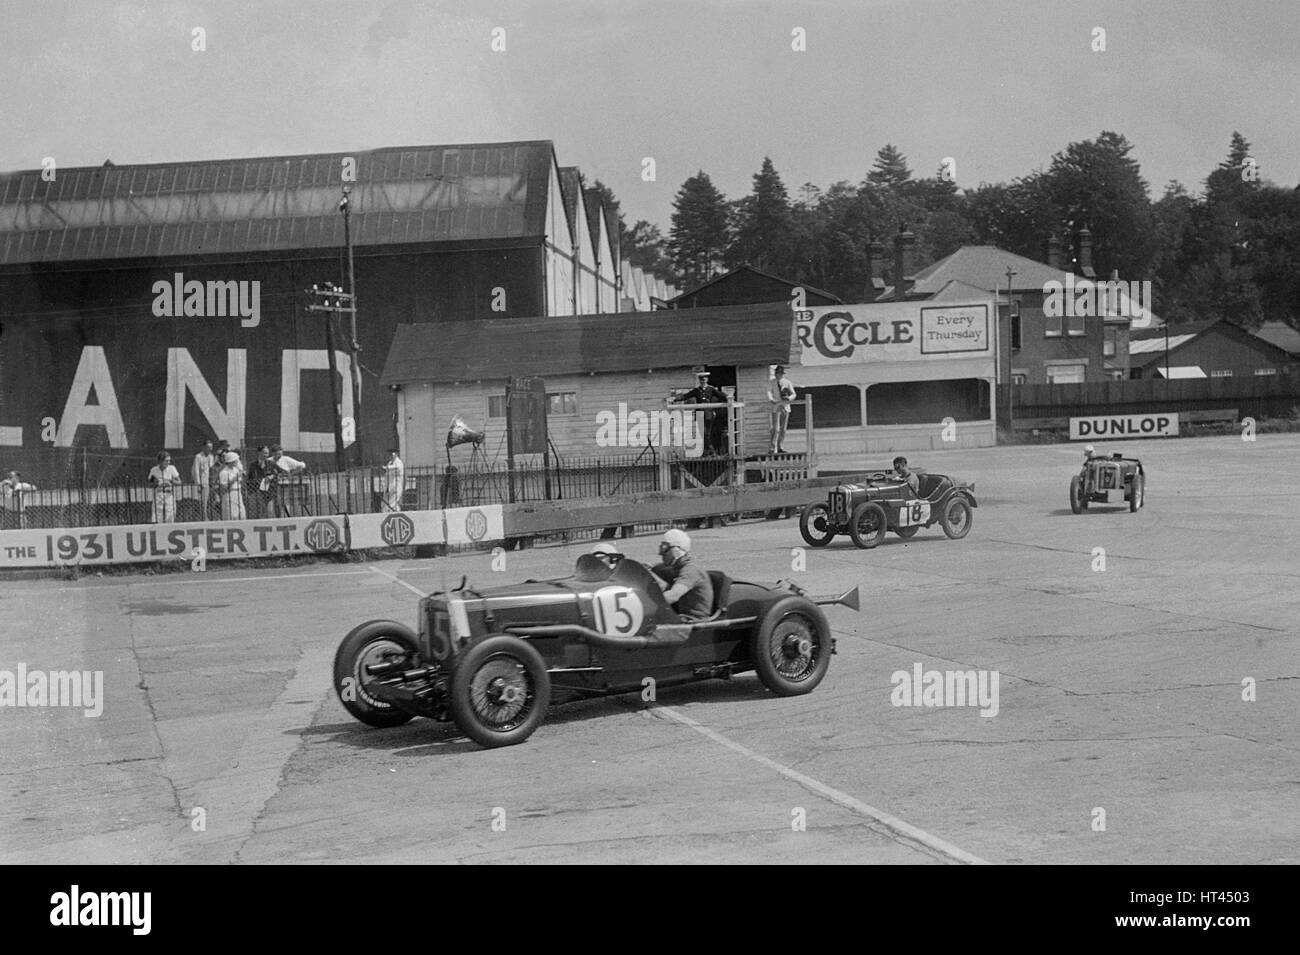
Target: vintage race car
x=884, y=503
x=1101, y=475
x=493, y=660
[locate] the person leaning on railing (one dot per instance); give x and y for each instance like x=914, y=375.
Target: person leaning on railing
x=164, y=478
x=230, y=488
x=12, y=506
x=282, y=466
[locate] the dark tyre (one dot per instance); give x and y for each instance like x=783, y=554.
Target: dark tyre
x=379, y=641
x=1137, y=496
x=907, y=532
x=791, y=646
x=815, y=525
x=956, y=519
x=1076, y=494
x=867, y=524
x=500, y=691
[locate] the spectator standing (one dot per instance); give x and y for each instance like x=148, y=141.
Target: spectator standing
x=164, y=478
x=780, y=392
x=230, y=488
x=13, y=505
x=205, y=463
x=283, y=466
x=261, y=483
x=394, y=481
x=715, y=419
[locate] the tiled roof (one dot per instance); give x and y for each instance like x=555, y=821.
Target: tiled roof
x=1281, y=335
x=985, y=267
x=1142, y=346
x=401, y=194
x=573, y=344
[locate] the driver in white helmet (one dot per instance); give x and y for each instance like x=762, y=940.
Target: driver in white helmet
x=686, y=586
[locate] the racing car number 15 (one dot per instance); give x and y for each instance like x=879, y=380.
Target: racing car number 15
x=618, y=611
x=914, y=512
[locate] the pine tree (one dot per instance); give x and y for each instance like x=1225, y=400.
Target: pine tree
x=698, y=239
x=762, y=223
x=890, y=168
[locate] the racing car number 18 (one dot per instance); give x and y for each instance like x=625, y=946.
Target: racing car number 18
x=618, y=611
x=916, y=512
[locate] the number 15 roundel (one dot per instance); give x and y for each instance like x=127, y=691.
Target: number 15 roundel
x=618, y=611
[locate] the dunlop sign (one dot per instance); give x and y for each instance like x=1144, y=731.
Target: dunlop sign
x=1125, y=426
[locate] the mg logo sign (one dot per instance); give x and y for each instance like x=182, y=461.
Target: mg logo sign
x=397, y=530
x=476, y=525
x=323, y=535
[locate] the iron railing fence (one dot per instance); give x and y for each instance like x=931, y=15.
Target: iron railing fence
x=358, y=491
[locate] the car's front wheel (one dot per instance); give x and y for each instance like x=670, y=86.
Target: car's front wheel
x=791, y=646
x=867, y=524
x=1076, y=494
x=370, y=644
x=956, y=519
x=1137, y=496
x=815, y=525
x=500, y=691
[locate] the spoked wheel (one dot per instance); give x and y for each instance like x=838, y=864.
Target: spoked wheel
x=815, y=525
x=956, y=519
x=373, y=643
x=907, y=532
x=792, y=646
x=1076, y=494
x=500, y=691
x=867, y=524
x=1137, y=496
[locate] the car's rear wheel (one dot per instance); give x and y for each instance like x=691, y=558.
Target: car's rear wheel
x=815, y=525
x=1076, y=494
x=500, y=691
x=867, y=524
x=1137, y=496
x=379, y=641
x=791, y=646
x=906, y=532
x=956, y=519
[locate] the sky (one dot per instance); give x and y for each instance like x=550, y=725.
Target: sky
x=715, y=85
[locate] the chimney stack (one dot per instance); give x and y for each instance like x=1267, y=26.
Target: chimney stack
x=903, y=243
x=876, y=268
x=1054, y=251
x=1085, y=253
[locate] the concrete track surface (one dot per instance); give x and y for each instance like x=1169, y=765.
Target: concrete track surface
x=1120, y=690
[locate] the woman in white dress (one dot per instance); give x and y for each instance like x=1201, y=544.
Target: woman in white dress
x=230, y=486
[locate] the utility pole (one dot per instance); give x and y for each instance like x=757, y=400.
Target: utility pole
x=1011, y=378
x=330, y=299
x=345, y=206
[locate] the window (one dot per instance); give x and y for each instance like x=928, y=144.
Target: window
x=1064, y=374
x=562, y=403
x=1074, y=325
x=1018, y=377
x=1108, y=342
x=1221, y=373
x=1015, y=326
x=834, y=406
x=1052, y=325
x=927, y=402
x=1115, y=374
x=1265, y=371
x=496, y=406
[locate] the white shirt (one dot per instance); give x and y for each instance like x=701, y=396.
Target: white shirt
x=778, y=390
x=288, y=464
x=203, y=463
x=164, y=478
x=395, y=470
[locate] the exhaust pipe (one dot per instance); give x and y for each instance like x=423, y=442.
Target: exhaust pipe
x=847, y=599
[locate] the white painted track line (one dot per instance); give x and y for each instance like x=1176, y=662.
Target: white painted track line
x=893, y=823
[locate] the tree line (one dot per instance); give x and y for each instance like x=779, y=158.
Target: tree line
x=1231, y=251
